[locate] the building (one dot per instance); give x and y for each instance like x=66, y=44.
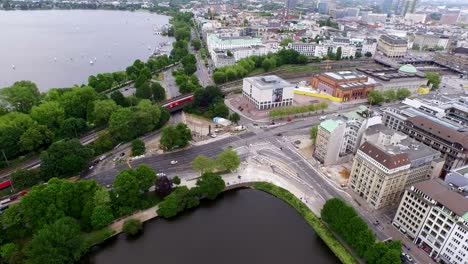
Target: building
x=387, y=6
x=405, y=6
x=338, y=138
x=387, y=162
x=290, y=5
x=323, y=6
x=393, y=79
x=450, y=18
x=221, y=59
x=416, y=18
x=323, y=49
x=392, y=46
x=373, y=18
x=218, y=45
x=458, y=177
x=369, y=45
x=425, y=125
x=346, y=85
x=435, y=216
x=430, y=42
x=307, y=49
x=268, y=91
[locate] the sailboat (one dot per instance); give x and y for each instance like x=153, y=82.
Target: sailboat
x=91, y=62
x=13, y=66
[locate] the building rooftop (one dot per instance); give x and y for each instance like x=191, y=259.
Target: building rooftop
x=390, y=74
x=408, y=68
x=387, y=159
x=448, y=198
x=268, y=82
x=331, y=124
x=394, y=40
x=462, y=170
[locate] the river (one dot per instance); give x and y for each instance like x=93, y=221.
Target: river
x=54, y=48
x=244, y=226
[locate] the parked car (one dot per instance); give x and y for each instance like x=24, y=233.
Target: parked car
x=173, y=162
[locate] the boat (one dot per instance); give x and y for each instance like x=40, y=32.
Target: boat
x=13, y=66
x=91, y=62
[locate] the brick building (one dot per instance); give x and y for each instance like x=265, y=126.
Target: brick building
x=347, y=85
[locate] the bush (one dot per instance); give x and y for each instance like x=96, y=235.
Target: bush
x=291, y=110
x=138, y=147
x=132, y=226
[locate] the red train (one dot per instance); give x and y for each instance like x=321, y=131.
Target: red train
x=177, y=102
x=5, y=184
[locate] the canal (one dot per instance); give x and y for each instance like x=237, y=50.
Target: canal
x=244, y=226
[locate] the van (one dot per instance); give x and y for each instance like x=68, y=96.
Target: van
x=402, y=230
x=395, y=224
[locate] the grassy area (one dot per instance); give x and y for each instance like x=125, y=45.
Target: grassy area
x=292, y=110
x=158, y=77
x=325, y=234
x=97, y=237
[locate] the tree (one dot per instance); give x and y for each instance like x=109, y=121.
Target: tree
x=368, y=54
x=145, y=177
x=58, y=243
x=103, y=110
x=220, y=110
x=65, y=158
x=313, y=133
x=202, y=164
x=219, y=77
x=49, y=114
x=73, y=127
x=119, y=98
x=338, y=53
x=176, y=180
x=229, y=53
x=267, y=64
x=9, y=140
x=434, y=79
x=375, y=253
x=190, y=69
x=121, y=124
x=158, y=92
x=285, y=42
x=125, y=193
x=6, y=250
x=132, y=226
x=375, y=97
x=210, y=185
x=77, y=101
x=36, y=138
x=391, y=257
x=103, y=143
x=23, y=179
x=196, y=44
x=403, y=93
x=228, y=160
x=231, y=75
x=102, y=216
x=163, y=186
x=21, y=96
x=234, y=117
x=389, y=95
x=175, y=136
x=138, y=147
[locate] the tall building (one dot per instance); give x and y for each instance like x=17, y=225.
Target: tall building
x=405, y=6
x=387, y=162
x=442, y=129
x=290, y=5
x=387, y=6
x=435, y=216
x=323, y=6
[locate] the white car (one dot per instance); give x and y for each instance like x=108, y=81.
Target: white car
x=323, y=117
x=161, y=174
x=173, y=162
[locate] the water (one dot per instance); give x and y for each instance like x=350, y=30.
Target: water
x=245, y=226
x=54, y=48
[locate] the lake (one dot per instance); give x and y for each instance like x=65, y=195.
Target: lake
x=244, y=226
x=54, y=48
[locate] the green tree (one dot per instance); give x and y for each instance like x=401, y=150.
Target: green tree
x=389, y=95
x=138, y=147
x=103, y=143
x=158, y=92
x=132, y=226
x=231, y=75
x=176, y=180
x=368, y=54
x=77, y=101
x=190, y=69
x=73, y=127
x=313, y=133
x=175, y=136
x=196, y=44
x=173, y=203
x=23, y=179
x=145, y=176
x=202, y=164
x=121, y=124
x=267, y=64
x=119, y=98
x=391, y=257
x=125, y=193
x=21, y=96
x=403, y=93
x=285, y=42
x=210, y=185
x=229, y=53
x=228, y=160
x=65, y=158
x=338, y=53
x=219, y=77
x=49, y=114
x=375, y=97
x=6, y=250
x=36, y=138
x=102, y=216
x=375, y=253
x=103, y=110
x=220, y=110
x=58, y=243
x=234, y=117
x=434, y=79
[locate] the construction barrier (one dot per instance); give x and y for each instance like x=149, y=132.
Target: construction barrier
x=318, y=95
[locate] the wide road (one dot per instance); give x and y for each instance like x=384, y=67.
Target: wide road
x=202, y=72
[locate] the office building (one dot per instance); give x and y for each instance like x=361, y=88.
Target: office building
x=346, y=85
x=392, y=46
x=387, y=6
x=423, y=41
x=387, y=162
x=268, y=91
x=323, y=6
x=435, y=216
x=405, y=6
x=323, y=49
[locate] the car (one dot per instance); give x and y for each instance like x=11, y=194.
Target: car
x=103, y=157
x=323, y=117
x=160, y=174
x=173, y=162
x=213, y=135
x=255, y=124
x=92, y=167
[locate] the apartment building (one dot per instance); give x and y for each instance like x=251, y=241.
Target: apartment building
x=323, y=49
x=430, y=41
x=392, y=46
x=387, y=162
x=435, y=216
x=434, y=130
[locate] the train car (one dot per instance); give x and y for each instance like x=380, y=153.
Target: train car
x=180, y=101
x=5, y=184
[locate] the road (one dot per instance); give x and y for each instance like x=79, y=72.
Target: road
x=172, y=90
x=202, y=72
